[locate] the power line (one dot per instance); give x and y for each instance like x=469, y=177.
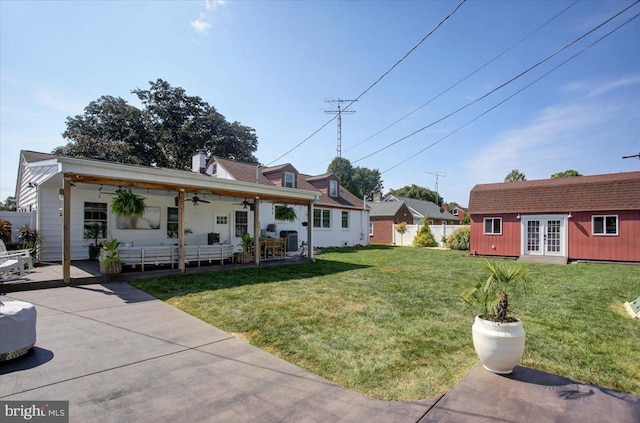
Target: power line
x=377, y=81
x=409, y=52
x=500, y=86
x=466, y=77
x=415, y=154
x=460, y=81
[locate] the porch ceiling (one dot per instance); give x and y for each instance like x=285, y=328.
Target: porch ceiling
x=232, y=191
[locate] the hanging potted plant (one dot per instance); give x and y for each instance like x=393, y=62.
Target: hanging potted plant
x=285, y=214
x=110, y=263
x=498, y=337
x=128, y=204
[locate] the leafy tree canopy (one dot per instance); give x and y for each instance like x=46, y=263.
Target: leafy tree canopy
x=566, y=174
x=515, y=176
x=418, y=192
x=166, y=131
x=360, y=181
x=9, y=204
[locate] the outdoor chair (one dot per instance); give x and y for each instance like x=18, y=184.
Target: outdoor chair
x=23, y=256
x=8, y=266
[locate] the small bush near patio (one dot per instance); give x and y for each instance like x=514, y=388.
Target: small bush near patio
x=388, y=321
x=460, y=239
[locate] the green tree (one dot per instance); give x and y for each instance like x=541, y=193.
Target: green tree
x=9, y=204
x=515, y=176
x=166, y=131
x=424, y=237
x=359, y=181
x=418, y=192
x=402, y=229
x=466, y=220
x=566, y=174
x=110, y=129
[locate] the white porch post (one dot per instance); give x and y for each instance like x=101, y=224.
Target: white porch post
x=181, y=253
x=256, y=230
x=310, y=231
x=66, y=232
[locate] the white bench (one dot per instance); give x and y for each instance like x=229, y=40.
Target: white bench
x=208, y=253
x=144, y=256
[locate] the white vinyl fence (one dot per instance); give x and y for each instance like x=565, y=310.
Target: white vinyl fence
x=18, y=220
x=438, y=232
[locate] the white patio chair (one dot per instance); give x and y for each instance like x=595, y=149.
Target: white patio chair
x=23, y=256
x=8, y=266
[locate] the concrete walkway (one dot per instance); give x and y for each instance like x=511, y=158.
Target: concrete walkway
x=119, y=355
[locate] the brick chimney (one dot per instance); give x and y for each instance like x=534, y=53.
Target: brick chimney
x=199, y=162
x=445, y=206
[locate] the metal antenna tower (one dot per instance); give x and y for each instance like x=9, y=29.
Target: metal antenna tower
x=339, y=112
x=437, y=174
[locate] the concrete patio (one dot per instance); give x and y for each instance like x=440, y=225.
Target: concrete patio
x=118, y=354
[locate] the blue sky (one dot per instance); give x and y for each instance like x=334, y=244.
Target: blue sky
x=272, y=65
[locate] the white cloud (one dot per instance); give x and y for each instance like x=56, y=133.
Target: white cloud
x=201, y=25
x=611, y=85
x=551, y=140
x=211, y=5
x=597, y=88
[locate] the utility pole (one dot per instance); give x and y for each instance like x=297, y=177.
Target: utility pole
x=438, y=174
x=339, y=112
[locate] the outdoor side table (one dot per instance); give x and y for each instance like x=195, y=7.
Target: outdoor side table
x=17, y=329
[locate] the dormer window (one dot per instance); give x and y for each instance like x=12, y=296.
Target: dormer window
x=333, y=188
x=455, y=212
x=289, y=180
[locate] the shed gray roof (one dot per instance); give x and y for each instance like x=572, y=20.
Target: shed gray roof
x=425, y=208
x=384, y=208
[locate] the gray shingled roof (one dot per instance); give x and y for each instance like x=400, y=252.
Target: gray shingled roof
x=384, y=208
x=425, y=208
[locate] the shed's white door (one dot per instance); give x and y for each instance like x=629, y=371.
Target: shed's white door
x=544, y=236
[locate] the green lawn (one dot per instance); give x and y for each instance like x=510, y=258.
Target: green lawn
x=388, y=322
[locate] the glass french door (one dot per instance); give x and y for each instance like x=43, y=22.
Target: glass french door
x=544, y=236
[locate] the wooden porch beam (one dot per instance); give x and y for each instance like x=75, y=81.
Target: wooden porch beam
x=310, y=231
x=256, y=229
x=182, y=266
x=66, y=232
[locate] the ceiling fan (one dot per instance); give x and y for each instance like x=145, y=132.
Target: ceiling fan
x=197, y=200
x=246, y=203
x=102, y=191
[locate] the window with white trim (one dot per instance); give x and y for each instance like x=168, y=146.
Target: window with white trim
x=321, y=218
x=95, y=214
x=289, y=180
x=370, y=228
x=455, y=212
x=493, y=226
x=172, y=222
x=333, y=188
x=604, y=225
x=345, y=220
x=242, y=223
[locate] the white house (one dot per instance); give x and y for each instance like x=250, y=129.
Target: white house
x=217, y=201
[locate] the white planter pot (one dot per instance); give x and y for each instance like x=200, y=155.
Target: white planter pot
x=499, y=345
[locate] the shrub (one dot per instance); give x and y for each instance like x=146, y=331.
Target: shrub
x=424, y=237
x=5, y=231
x=460, y=239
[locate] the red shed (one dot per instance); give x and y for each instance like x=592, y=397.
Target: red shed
x=585, y=217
